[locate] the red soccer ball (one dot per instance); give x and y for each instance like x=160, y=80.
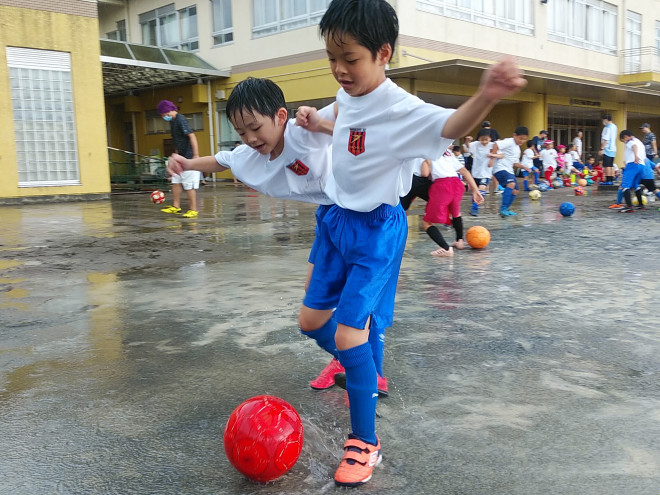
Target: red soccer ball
x=263, y=438
x=579, y=191
x=158, y=197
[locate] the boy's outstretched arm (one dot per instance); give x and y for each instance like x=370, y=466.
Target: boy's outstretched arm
x=177, y=164
x=499, y=81
x=309, y=118
x=476, y=195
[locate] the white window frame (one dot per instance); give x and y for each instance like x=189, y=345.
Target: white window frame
x=223, y=34
x=633, y=46
x=161, y=20
x=589, y=24
x=510, y=15
x=275, y=16
x=45, y=131
x=118, y=34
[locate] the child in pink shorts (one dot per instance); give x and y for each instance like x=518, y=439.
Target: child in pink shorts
x=444, y=205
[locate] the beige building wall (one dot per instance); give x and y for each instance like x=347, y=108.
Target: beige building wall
x=77, y=34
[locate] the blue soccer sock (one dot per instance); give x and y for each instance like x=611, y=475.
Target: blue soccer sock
x=475, y=206
x=619, y=197
x=377, y=343
x=525, y=184
x=507, y=197
x=325, y=336
x=362, y=392
x=536, y=177
x=658, y=194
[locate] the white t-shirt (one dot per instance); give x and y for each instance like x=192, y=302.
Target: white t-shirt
x=300, y=172
x=480, y=160
x=375, y=141
x=549, y=158
x=511, y=152
x=631, y=156
x=447, y=165
x=578, y=144
x=528, y=158
x=568, y=159
x=575, y=156
x=610, y=135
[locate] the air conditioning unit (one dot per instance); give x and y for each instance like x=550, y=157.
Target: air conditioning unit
x=220, y=94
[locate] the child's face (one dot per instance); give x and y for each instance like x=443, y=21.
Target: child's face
x=520, y=139
x=260, y=132
x=354, y=66
x=591, y=161
x=484, y=140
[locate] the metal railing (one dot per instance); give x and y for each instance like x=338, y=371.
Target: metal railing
x=130, y=170
x=636, y=60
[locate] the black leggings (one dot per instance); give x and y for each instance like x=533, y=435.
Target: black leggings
x=419, y=189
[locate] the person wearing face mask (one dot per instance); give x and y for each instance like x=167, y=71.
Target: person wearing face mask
x=185, y=144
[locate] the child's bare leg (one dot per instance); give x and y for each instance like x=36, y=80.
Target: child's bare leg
x=445, y=249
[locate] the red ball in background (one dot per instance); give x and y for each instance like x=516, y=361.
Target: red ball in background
x=158, y=197
x=263, y=438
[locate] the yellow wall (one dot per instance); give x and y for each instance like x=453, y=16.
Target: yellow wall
x=79, y=36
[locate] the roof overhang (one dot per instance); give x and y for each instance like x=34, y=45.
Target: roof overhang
x=469, y=73
x=129, y=68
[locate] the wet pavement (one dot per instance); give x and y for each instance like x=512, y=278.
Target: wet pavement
x=128, y=336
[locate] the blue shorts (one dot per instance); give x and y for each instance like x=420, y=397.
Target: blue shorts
x=525, y=173
x=357, y=264
x=320, y=213
x=632, y=175
x=504, y=178
x=482, y=181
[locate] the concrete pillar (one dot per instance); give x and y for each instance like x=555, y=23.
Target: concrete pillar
x=534, y=115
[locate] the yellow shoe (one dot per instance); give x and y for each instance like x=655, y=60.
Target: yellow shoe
x=358, y=463
x=190, y=214
x=171, y=209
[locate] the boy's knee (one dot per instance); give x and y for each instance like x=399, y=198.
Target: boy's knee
x=312, y=319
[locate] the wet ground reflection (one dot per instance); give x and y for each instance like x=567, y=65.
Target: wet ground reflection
x=128, y=336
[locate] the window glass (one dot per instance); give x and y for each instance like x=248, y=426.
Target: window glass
x=44, y=117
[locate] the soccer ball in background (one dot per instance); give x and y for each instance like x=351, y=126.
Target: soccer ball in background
x=263, y=438
x=158, y=197
x=535, y=195
x=635, y=201
x=567, y=209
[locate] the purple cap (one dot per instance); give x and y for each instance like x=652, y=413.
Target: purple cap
x=165, y=106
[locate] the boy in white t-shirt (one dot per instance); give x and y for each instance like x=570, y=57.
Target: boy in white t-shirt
x=444, y=204
x=549, y=158
x=481, y=171
x=528, y=157
x=635, y=156
x=505, y=156
x=379, y=130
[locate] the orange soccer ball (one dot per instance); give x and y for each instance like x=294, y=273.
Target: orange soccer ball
x=582, y=182
x=477, y=237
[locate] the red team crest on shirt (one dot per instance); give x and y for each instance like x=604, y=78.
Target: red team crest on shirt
x=298, y=167
x=356, y=141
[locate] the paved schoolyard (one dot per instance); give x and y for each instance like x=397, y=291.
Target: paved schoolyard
x=128, y=337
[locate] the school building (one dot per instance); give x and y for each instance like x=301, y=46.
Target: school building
x=82, y=77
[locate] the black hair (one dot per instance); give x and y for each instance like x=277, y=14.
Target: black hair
x=607, y=116
x=530, y=143
x=483, y=132
x=372, y=23
x=521, y=130
x=624, y=133
x=255, y=95
x=456, y=148
x=590, y=157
